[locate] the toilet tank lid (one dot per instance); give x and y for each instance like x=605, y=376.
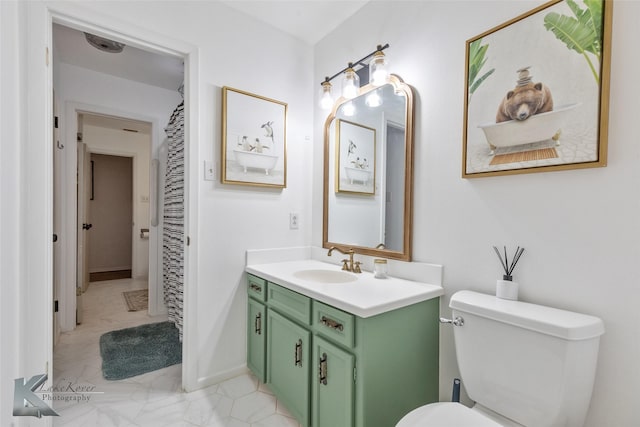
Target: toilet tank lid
x=550, y=321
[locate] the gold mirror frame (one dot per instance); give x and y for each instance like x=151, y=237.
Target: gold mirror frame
x=405, y=253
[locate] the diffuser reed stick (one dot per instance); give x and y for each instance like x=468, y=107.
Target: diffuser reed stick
x=509, y=267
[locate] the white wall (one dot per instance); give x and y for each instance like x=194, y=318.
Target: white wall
x=12, y=43
x=579, y=227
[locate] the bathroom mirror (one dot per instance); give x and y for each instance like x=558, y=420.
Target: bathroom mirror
x=368, y=174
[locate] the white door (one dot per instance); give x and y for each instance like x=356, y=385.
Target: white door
x=84, y=226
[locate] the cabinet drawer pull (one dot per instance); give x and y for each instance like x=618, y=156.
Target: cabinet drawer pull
x=258, y=324
x=322, y=369
x=255, y=287
x=298, y=354
x=330, y=323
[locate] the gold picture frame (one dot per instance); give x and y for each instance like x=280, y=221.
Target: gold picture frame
x=355, y=158
x=254, y=139
x=537, y=91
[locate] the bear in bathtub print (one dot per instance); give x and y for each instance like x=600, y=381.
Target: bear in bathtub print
x=525, y=100
x=533, y=97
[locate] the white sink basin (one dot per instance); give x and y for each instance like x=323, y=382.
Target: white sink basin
x=325, y=276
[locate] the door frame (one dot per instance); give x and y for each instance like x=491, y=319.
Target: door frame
x=72, y=109
x=38, y=204
x=67, y=296
x=82, y=238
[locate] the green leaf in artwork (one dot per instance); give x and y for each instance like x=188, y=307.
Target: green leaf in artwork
x=477, y=60
x=582, y=32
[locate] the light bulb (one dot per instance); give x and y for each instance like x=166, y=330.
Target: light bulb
x=373, y=99
x=378, y=69
x=350, y=84
x=348, y=109
x=326, y=98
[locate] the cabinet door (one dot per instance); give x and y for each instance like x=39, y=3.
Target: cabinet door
x=256, y=339
x=333, y=385
x=288, y=361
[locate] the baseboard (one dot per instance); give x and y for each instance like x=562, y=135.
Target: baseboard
x=204, y=382
x=106, y=269
x=110, y=275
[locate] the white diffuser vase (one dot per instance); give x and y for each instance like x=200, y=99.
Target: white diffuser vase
x=507, y=289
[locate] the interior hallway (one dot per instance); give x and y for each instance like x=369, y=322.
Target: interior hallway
x=153, y=399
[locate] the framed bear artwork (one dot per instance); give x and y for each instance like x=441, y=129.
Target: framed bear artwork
x=537, y=91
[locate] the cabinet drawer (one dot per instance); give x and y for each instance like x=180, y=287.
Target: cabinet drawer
x=334, y=324
x=257, y=287
x=289, y=302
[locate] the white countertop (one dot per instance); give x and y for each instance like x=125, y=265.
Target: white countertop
x=364, y=297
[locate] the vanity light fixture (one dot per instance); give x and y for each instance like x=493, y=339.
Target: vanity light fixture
x=379, y=74
x=350, y=83
x=326, y=98
x=378, y=69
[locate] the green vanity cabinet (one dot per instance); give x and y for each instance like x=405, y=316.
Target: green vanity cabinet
x=288, y=362
x=331, y=368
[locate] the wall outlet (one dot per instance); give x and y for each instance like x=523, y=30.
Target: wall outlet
x=293, y=221
x=208, y=170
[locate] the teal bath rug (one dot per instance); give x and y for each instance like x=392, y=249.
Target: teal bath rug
x=135, y=351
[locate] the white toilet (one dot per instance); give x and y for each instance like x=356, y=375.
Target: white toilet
x=523, y=364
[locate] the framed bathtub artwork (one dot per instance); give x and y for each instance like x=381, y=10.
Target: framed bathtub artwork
x=254, y=138
x=355, y=158
x=537, y=91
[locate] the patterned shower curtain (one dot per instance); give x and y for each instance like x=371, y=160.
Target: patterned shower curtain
x=173, y=216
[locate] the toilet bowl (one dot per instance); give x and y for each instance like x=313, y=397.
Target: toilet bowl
x=522, y=364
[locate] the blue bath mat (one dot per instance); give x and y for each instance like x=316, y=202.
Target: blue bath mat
x=135, y=351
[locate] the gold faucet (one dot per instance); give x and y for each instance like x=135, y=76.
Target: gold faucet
x=347, y=264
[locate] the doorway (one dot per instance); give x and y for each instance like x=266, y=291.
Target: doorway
x=111, y=216
x=394, y=195
x=119, y=196
x=80, y=109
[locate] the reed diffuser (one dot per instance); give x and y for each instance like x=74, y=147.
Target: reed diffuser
x=507, y=288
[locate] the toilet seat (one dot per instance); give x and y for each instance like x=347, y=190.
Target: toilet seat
x=445, y=414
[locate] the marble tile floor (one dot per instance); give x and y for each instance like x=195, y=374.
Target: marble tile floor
x=154, y=399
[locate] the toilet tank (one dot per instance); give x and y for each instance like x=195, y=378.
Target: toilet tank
x=532, y=364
